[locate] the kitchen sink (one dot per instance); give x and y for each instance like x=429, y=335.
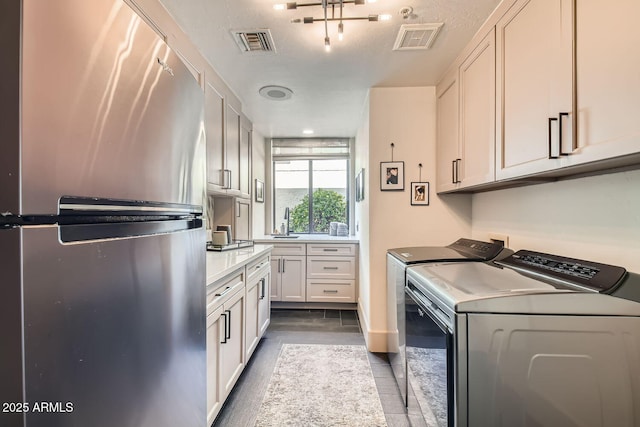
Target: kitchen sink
x=284, y=236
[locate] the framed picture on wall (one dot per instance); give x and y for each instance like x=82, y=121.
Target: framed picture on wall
x=360, y=186
x=259, y=190
x=420, y=193
x=392, y=176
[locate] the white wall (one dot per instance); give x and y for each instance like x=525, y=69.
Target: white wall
x=361, y=216
x=406, y=117
x=258, y=170
x=594, y=218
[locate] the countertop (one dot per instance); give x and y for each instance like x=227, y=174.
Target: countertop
x=307, y=238
x=219, y=264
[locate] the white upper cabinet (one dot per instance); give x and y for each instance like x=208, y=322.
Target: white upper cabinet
x=534, y=93
x=466, y=120
x=214, y=128
x=228, y=145
x=244, y=173
x=447, y=132
x=478, y=115
x=607, y=80
x=232, y=150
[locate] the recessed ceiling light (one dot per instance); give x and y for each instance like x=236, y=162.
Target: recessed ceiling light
x=276, y=93
x=308, y=131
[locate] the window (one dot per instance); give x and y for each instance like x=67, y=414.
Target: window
x=315, y=187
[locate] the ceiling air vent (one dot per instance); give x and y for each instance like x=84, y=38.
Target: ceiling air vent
x=254, y=40
x=416, y=36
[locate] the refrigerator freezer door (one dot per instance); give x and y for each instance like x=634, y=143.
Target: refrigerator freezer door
x=10, y=325
x=108, y=110
x=115, y=329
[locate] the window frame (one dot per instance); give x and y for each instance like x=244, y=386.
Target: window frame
x=310, y=158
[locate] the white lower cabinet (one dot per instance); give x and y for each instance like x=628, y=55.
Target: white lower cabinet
x=331, y=290
x=288, y=278
x=314, y=272
x=258, y=303
x=232, y=343
x=292, y=278
x=225, y=356
x=331, y=272
x=288, y=272
x=214, y=335
x=238, y=313
x=331, y=267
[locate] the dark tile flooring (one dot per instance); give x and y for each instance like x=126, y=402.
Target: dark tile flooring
x=306, y=327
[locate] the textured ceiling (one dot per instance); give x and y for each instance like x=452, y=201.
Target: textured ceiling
x=329, y=89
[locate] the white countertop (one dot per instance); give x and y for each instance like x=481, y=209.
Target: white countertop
x=307, y=238
x=219, y=264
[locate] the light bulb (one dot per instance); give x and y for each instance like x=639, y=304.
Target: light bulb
x=327, y=44
x=384, y=17
x=340, y=31
x=371, y=1
x=280, y=6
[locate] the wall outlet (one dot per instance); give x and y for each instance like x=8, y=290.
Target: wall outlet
x=499, y=238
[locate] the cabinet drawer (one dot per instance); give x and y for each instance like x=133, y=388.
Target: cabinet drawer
x=328, y=290
x=332, y=249
x=258, y=267
x=289, y=249
x=218, y=292
x=331, y=267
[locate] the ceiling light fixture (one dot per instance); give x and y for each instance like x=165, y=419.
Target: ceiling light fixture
x=335, y=6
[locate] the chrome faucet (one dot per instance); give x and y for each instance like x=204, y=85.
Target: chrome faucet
x=287, y=215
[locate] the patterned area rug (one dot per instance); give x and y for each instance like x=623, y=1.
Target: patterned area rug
x=321, y=385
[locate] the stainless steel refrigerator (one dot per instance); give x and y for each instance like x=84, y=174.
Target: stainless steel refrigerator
x=102, y=247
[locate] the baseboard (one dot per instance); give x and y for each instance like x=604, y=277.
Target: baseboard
x=376, y=341
x=313, y=305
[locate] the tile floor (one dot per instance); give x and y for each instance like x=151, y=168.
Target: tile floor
x=306, y=327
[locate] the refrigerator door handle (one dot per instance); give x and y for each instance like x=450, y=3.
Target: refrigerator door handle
x=78, y=207
x=101, y=231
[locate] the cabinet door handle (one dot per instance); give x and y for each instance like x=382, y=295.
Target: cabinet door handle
x=560, y=116
x=224, y=341
x=458, y=171
x=226, y=179
x=228, y=323
x=551, y=120
x=453, y=171
x=279, y=263
x=330, y=249
x=283, y=260
x=330, y=268
x=330, y=291
x=263, y=280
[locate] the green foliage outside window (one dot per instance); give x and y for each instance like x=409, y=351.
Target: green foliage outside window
x=328, y=206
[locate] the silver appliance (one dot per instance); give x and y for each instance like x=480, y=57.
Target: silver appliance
x=398, y=259
x=102, y=304
x=544, y=345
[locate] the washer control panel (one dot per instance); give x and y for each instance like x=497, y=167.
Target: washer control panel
x=586, y=275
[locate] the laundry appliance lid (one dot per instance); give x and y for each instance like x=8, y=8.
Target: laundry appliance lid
x=485, y=288
x=460, y=250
